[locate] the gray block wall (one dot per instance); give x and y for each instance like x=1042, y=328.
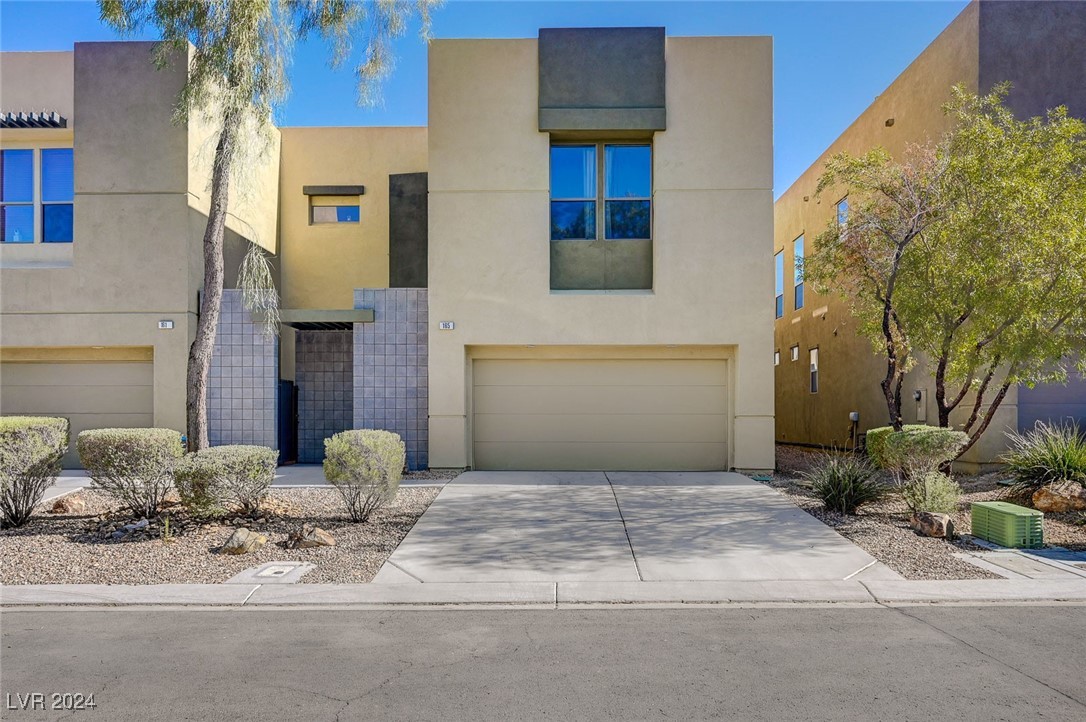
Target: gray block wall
x=323, y=374
x=390, y=362
x=243, y=387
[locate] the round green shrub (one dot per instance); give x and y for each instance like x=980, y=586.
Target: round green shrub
x=31, y=448
x=134, y=466
x=365, y=465
x=844, y=482
x=213, y=478
x=915, y=449
x=931, y=491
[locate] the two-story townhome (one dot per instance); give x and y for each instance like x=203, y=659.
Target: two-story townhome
x=559, y=272
x=825, y=371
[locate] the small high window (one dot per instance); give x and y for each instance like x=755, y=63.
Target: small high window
x=814, y=371
x=30, y=211
x=797, y=271
x=842, y=213
x=795, y=352
x=333, y=209
x=776, y=358
x=778, y=266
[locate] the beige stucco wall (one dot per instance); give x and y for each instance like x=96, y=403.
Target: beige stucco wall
x=849, y=371
x=323, y=263
x=489, y=229
x=139, y=211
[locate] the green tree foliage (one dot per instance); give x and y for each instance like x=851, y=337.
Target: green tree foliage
x=236, y=77
x=970, y=253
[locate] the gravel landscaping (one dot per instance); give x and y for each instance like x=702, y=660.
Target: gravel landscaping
x=70, y=548
x=882, y=529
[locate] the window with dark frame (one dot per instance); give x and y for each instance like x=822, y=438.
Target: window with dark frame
x=601, y=186
x=778, y=265
x=814, y=370
x=37, y=194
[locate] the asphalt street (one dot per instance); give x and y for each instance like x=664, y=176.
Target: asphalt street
x=803, y=663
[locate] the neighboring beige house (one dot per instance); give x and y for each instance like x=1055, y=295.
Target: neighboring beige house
x=824, y=370
x=556, y=274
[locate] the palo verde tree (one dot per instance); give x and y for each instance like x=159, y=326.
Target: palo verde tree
x=236, y=78
x=989, y=291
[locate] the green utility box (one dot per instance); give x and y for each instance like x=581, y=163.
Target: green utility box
x=1008, y=525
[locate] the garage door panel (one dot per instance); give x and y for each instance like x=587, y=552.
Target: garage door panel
x=611, y=457
x=600, y=428
x=75, y=399
x=595, y=373
x=82, y=374
x=655, y=414
x=624, y=399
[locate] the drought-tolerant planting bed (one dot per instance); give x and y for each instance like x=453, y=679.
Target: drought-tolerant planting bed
x=882, y=529
x=70, y=548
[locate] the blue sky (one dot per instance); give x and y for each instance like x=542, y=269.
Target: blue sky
x=830, y=58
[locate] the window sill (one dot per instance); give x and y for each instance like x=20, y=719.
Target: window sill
x=36, y=255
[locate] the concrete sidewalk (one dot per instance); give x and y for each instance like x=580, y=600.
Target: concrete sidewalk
x=548, y=594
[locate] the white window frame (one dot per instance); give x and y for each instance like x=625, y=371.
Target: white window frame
x=794, y=351
x=814, y=369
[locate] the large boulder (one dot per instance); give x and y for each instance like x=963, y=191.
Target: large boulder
x=932, y=524
x=243, y=541
x=1060, y=496
x=70, y=504
x=310, y=536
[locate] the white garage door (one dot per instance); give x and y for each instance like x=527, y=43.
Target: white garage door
x=90, y=395
x=600, y=414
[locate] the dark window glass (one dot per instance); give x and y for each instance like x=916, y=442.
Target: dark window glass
x=814, y=371
x=57, y=223
x=17, y=173
x=799, y=296
x=18, y=224
x=629, y=171
x=573, y=220
x=573, y=172
x=628, y=219
x=335, y=214
x=778, y=270
x=57, y=183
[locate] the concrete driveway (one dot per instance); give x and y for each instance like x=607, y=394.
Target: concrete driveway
x=620, y=527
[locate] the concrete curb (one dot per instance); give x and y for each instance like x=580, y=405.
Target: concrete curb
x=549, y=594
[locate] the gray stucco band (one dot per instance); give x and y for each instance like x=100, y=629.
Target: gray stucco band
x=391, y=384
x=602, y=119
x=242, y=389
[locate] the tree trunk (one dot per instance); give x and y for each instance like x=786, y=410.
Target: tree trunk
x=207, y=325
x=987, y=418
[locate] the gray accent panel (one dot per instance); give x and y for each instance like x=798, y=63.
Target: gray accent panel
x=601, y=265
x=324, y=375
x=242, y=388
x=601, y=79
x=1052, y=402
x=1040, y=48
x=334, y=190
x=407, y=230
x=391, y=384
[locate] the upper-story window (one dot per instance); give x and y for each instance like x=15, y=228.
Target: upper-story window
x=842, y=213
x=778, y=264
x=797, y=271
x=601, y=186
x=37, y=190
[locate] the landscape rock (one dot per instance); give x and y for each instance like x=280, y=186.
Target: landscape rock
x=310, y=536
x=70, y=504
x=932, y=524
x=1060, y=496
x=243, y=541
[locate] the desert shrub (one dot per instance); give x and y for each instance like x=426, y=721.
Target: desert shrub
x=247, y=472
x=932, y=491
x=365, y=466
x=134, y=466
x=198, y=479
x=1046, y=454
x=915, y=450
x=30, y=451
x=844, y=482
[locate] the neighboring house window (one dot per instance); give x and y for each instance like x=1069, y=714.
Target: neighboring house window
x=795, y=353
x=30, y=211
x=842, y=213
x=814, y=371
x=319, y=213
x=797, y=271
x=778, y=263
x=776, y=358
